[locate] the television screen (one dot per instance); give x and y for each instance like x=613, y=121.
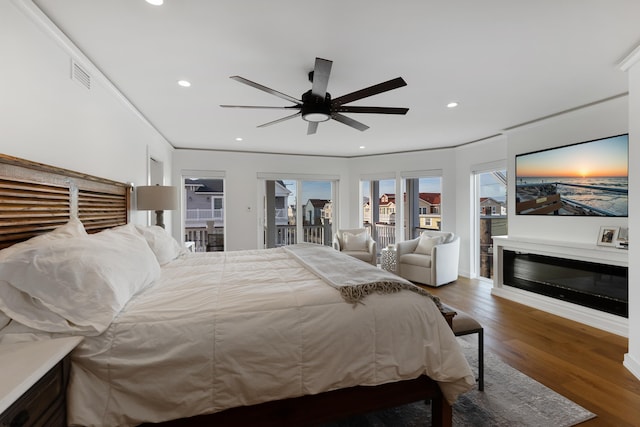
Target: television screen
x=585, y=179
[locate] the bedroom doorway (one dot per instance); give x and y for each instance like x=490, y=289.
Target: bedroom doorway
x=491, y=216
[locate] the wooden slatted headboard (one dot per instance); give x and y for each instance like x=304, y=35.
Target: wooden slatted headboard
x=36, y=198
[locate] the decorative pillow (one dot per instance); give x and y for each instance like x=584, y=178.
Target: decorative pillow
x=355, y=242
x=163, y=245
x=426, y=243
x=78, y=284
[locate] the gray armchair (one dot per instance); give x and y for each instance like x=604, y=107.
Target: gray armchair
x=433, y=262
x=357, y=243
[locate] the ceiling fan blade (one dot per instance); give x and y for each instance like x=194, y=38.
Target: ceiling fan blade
x=312, y=128
x=280, y=120
x=321, y=73
x=376, y=110
x=266, y=89
x=349, y=122
x=370, y=91
x=262, y=107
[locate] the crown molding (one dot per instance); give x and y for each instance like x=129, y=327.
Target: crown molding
x=630, y=60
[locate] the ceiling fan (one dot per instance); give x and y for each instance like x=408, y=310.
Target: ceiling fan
x=316, y=104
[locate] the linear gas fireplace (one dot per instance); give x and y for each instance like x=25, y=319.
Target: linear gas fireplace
x=602, y=287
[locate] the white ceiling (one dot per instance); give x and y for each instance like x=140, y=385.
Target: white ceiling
x=507, y=62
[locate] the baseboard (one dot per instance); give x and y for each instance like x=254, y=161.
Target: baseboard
x=597, y=319
x=632, y=365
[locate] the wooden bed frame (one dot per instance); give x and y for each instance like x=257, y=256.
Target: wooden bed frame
x=36, y=198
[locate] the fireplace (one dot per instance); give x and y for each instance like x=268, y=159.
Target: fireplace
x=602, y=287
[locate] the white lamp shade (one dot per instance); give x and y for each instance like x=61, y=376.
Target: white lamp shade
x=157, y=198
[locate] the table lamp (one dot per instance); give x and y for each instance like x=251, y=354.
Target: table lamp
x=157, y=198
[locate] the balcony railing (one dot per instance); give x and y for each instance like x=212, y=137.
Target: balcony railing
x=285, y=235
x=386, y=235
x=288, y=234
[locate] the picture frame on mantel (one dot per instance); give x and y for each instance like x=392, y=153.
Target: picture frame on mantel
x=608, y=236
x=623, y=238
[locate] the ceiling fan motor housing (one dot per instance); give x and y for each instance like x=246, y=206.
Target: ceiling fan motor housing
x=316, y=108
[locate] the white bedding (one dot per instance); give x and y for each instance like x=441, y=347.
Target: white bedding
x=220, y=330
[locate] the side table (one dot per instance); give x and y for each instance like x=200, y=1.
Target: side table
x=388, y=258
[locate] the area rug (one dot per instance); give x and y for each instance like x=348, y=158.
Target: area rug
x=510, y=399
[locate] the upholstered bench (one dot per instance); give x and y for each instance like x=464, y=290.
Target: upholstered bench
x=464, y=324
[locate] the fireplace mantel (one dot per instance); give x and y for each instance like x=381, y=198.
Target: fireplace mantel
x=559, y=249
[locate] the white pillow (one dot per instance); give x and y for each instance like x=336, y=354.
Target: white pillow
x=21, y=306
x=355, y=242
x=73, y=228
x=426, y=243
x=163, y=245
x=83, y=282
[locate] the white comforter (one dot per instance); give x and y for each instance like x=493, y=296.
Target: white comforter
x=220, y=330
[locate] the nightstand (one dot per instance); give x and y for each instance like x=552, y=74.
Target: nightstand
x=34, y=381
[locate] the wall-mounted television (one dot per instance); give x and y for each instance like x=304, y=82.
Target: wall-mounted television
x=588, y=178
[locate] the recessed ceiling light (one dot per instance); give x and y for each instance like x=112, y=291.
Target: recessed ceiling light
x=362, y=147
x=155, y=2
x=184, y=83
x=452, y=104
x=238, y=139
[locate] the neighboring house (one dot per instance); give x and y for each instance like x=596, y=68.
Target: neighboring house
x=282, y=210
x=327, y=212
x=493, y=207
x=205, y=202
x=313, y=211
x=387, y=209
x=428, y=209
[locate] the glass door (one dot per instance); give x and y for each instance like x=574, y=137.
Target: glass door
x=491, y=220
x=298, y=211
x=204, y=216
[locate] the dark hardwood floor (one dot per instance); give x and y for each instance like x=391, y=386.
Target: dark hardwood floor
x=582, y=363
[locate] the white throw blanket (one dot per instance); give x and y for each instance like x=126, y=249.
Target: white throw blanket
x=354, y=278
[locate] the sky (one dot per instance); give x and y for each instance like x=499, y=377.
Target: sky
x=601, y=158
x=322, y=189
x=388, y=186
x=310, y=190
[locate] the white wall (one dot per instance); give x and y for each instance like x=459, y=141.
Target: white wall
x=597, y=121
x=632, y=358
x=49, y=118
x=243, y=229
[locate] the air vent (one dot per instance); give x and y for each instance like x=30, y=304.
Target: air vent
x=80, y=75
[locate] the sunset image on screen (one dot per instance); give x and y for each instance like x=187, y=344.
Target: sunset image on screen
x=605, y=158
x=588, y=178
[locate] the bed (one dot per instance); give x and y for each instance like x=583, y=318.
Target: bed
x=257, y=337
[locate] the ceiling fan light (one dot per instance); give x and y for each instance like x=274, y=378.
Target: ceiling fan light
x=316, y=117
